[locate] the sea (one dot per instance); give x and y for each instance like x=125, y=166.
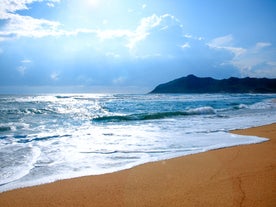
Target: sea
x=49, y=137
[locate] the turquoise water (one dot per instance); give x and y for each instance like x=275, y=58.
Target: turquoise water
x=44, y=138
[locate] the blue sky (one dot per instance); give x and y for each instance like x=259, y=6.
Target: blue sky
x=131, y=46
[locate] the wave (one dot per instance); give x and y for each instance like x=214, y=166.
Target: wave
x=30, y=111
x=158, y=115
x=12, y=126
x=63, y=97
x=240, y=106
x=5, y=128
x=26, y=139
x=16, y=162
x=267, y=104
x=156, y=151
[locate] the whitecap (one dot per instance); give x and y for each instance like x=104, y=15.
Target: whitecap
x=16, y=161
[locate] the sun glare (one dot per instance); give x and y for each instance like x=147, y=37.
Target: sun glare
x=92, y=3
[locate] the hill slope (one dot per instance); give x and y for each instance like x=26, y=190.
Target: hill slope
x=193, y=84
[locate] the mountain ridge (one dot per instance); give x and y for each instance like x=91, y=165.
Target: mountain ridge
x=194, y=84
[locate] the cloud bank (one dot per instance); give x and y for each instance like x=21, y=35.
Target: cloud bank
x=253, y=61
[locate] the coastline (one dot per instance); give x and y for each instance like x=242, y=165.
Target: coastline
x=235, y=176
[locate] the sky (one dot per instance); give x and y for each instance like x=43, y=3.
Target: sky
x=127, y=46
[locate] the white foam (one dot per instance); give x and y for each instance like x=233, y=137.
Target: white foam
x=267, y=104
x=202, y=110
x=16, y=161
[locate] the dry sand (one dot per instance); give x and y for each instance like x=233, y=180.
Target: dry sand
x=236, y=176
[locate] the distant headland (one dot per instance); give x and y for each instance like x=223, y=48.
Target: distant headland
x=194, y=84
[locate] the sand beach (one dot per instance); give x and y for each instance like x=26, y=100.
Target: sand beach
x=236, y=176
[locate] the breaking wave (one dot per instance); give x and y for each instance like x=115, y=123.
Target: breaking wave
x=158, y=115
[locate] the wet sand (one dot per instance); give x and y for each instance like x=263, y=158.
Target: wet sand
x=236, y=176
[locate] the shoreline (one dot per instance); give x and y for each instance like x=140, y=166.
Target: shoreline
x=234, y=176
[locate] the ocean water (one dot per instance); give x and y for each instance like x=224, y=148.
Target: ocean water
x=44, y=138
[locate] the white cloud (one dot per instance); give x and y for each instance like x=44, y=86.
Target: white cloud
x=189, y=36
x=54, y=76
x=145, y=27
x=255, y=60
x=25, y=26
x=110, y=34
x=150, y=22
x=260, y=45
x=220, y=42
x=166, y=27
x=144, y=6
x=185, y=45
x=250, y=61
x=26, y=61
x=22, y=69
x=237, y=51
x=8, y=6
x=225, y=43
x=50, y=4
x=11, y=6
x=142, y=31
